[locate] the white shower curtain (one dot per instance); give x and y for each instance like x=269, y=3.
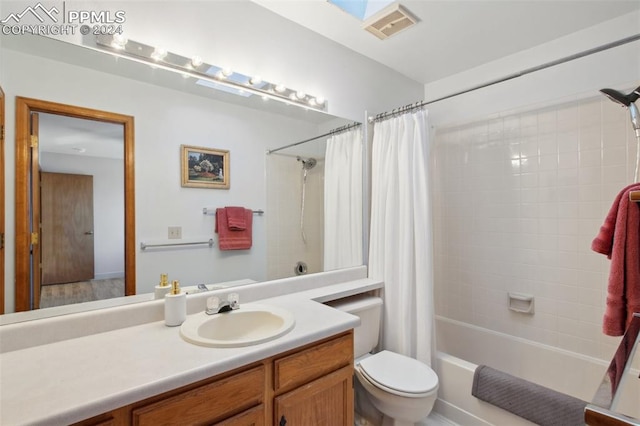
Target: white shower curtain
x=343, y=200
x=401, y=247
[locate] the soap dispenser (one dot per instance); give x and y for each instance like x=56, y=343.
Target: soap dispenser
x=163, y=287
x=175, y=306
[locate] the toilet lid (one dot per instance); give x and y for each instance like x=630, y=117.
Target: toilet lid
x=399, y=373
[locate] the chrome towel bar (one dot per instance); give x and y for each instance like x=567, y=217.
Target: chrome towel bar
x=144, y=246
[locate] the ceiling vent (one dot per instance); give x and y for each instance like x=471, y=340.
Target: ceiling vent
x=390, y=21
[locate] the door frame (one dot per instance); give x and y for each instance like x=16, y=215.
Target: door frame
x=2, y=195
x=24, y=108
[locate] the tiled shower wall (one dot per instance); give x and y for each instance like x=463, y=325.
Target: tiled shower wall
x=285, y=246
x=517, y=201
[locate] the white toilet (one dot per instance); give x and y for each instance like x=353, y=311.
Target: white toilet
x=403, y=389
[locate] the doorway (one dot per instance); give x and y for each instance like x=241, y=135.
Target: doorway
x=29, y=237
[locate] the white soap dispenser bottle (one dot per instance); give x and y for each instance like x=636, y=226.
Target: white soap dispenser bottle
x=175, y=306
x=163, y=288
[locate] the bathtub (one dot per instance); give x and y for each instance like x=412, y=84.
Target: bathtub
x=461, y=347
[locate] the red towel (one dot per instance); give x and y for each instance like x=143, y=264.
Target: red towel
x=603, y=243
x=236, y=218
x=619, y=240
x=233, y=240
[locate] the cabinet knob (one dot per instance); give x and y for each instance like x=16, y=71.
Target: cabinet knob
x=283, y=421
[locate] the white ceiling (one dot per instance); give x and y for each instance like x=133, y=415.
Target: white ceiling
x=75, y=136
x=454, y=35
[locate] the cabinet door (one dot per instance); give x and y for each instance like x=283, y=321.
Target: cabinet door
x=327, y=401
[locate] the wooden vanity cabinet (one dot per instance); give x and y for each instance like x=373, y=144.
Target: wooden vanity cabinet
x=310, y=385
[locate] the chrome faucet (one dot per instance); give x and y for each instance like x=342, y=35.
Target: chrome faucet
x=214, y=306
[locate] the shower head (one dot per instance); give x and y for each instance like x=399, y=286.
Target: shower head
x=308, y=163
x=627, y=101
x=621, y=98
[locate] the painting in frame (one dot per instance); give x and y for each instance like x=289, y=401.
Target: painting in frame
x=204, y=167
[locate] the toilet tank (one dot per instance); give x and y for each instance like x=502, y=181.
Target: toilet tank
x=369, y=310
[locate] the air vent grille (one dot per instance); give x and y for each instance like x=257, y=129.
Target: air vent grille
x=390, y=21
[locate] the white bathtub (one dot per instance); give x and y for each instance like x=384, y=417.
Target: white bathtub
x=462, y=347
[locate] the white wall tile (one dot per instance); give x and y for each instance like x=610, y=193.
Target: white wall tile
x=542, y=183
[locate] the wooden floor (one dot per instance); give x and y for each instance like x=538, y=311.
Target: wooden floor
x=85, y=291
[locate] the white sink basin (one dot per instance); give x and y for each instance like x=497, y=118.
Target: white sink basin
x=249, y=325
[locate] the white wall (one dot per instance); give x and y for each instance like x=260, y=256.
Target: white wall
x=617, y=67
x=524, y=174
x=108, y=205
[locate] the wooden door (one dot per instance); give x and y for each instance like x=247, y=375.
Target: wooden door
x=327, y=401
x=67, y=228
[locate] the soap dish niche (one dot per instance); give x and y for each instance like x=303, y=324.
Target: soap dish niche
x=522, y=303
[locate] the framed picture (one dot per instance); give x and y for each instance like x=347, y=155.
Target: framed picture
x=205, y=167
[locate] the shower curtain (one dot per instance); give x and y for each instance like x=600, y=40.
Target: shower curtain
x=343, y=200
x=401, y=247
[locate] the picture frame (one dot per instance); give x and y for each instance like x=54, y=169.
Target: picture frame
x=204, y=167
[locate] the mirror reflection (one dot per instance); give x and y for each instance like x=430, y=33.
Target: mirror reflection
x=170, y=111
x=81, y=210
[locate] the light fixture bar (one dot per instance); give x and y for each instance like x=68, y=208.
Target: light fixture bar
x=238, y=83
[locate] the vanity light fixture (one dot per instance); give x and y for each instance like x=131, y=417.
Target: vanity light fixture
x=219, y=78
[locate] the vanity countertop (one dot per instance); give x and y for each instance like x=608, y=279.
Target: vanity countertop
x=71, y=380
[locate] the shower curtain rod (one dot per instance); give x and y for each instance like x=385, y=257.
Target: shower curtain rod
x=420, y=104
x=332, y=132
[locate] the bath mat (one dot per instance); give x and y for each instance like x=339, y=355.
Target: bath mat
x=533, y=402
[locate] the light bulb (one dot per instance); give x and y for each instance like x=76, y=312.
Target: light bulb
x=319, y=100
x=280, y=88
x=119, y=41
x=226, y=72
x=159, y=54
x=255, y=80
x=300, y=94
x=196, y=61
x=312, y=101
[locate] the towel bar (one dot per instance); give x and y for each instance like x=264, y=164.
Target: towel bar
x=213, y=211
x=144, y=246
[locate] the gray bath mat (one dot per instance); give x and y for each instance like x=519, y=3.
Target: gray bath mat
x=533, y=402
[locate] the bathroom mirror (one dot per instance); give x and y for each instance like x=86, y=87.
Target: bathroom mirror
x=170, y=111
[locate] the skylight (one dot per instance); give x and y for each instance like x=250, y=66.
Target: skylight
x=361, y=9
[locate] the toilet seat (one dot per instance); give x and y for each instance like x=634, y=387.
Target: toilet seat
x=399, y=374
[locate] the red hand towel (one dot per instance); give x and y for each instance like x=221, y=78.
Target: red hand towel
x=603, y=243
x=236, y=218
x=619, y=239
x=233, y=240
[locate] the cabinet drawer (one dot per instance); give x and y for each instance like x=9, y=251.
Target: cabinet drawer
x=309, y=364
x=252, y=417
x=206, y=404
